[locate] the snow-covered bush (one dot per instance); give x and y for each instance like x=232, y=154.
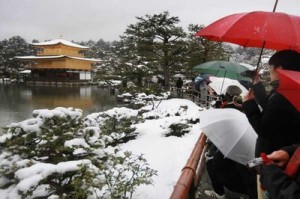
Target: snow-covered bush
x=178, y=130
x=58, y=154
x=122, y=175
x=116, y=125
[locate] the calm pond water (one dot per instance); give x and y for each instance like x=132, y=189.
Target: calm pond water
x=18, y=101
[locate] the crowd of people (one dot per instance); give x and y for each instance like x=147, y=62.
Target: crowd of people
x=197, y=88
x=277, y=124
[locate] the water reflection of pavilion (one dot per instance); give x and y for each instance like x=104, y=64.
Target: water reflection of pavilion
x=78, y=97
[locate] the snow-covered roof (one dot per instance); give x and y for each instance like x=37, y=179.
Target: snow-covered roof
x=87, y=59
x=25, y=72
x=56, y=57
x=39, y=57
x=57, y=41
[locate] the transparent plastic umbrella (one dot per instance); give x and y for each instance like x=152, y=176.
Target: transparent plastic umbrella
x=230, y=132
x=217, y=82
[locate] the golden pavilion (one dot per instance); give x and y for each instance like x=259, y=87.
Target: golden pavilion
x=59, y=60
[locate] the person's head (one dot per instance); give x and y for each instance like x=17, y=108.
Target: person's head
x=233, y=91
x=206, y=78
x=284, y=59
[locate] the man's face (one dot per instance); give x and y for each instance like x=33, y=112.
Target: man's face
x=273, y=73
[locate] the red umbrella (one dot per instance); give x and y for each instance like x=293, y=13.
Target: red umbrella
x=272, y=30
x=289, y=86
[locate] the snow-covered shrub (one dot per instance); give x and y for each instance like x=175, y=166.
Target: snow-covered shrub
x=58, y=154
x=119, y=130
x=115, y=125
x=35, y=138
x=122, y=175
x=178, y=129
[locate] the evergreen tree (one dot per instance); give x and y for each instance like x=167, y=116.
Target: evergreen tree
x=15, y=46
x=102, y=50
x=155, y=39
x=35, y=41
x=97, y=49
x=201, y=50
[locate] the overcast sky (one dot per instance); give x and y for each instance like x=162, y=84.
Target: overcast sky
x=81, y=20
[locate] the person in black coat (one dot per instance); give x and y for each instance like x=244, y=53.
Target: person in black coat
x=273, y=117
x=275, y=180
x=224, y=172
x=179, y=84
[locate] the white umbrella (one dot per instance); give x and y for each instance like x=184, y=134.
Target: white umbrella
x=249, y=66
x=25, y=72
x=217, y=82
x=230, y=132
x=179, y=75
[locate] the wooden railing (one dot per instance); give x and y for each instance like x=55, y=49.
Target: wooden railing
x=193, y=95
x=191, y=173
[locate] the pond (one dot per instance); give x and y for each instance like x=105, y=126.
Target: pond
x=18, y=101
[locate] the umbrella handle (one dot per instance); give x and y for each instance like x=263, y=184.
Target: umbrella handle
x=235, y=102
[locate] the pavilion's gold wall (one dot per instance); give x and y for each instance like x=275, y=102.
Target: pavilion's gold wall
x=63, y=63
x=78, y=64
x=59, y=49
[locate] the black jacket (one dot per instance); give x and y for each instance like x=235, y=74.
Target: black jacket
x=278, y=184
x=224, y=172
x=179, y=83
x=277, y=125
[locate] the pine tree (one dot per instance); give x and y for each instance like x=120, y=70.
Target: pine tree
x=15, y=46
x=154, y=39
x=201, y=50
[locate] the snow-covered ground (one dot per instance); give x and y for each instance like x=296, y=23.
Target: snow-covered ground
x=167, y=155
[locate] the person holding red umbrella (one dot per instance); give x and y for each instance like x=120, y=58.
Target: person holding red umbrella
x=274, y=118
x=281, y=176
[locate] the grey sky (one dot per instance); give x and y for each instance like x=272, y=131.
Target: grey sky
x=81, y=20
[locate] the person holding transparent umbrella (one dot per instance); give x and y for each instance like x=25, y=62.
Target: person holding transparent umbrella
x=273, y=117
x=224, y=172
